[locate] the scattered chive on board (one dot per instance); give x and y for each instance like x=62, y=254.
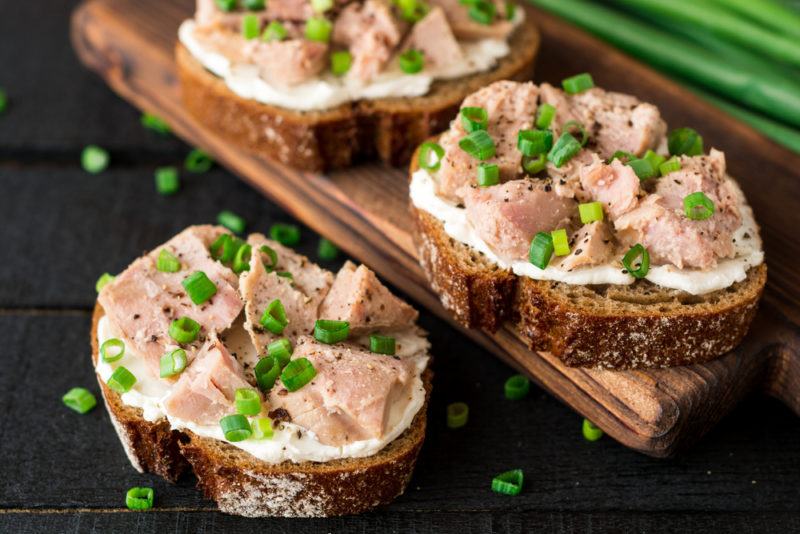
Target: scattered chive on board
x=167, y=180
x=94, y=159
x=231, y=221
x=155, y=123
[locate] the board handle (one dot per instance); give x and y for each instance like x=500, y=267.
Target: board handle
x=783, y=373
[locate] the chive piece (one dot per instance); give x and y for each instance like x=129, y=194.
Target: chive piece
x=330, y=332
x=247, y=401
x=508, y=483
x=112, y=350
x=321, y=6
x=121, y=380
x=590, y=431
x=167, y=180
x=590, y=212
x=578, y=83
x=172, y=363
x=341, y=61
x=94, y=159
x=411, y=61
x=621, y=155
x=685, y=141
x=457, y=414
x=382, y=344
x=250, y=26
x=478, y=144
x=413, y=10
x=428, y=149
x=231, y=221
x=488, y=174
x=511, y=10
x=235, y=427
x=541, y=250
x=326, y=250
x=574, y=128
x=199, y=287
x=274, y=317
x=560, y=242
x=297, y=374
x=3, y=101
x=225, y=248
x=273, y=258
x=517, y=387
x=637, y=251
x=198, y=161
x=563, y=150
x=226, y=5
x=285, y=274
x=267, y=371
x=318, y=29
x=643, y=168
x=155, y=123
x=104, y=280
x=262, y=428
x=79, y=399
x=545, y=115
x=671, y=165
x=139, y=498
x=482, y=11
x=254, y=5
x=655, y=159
x=697, y=206
x=167, y=262
x=275, y=31
x=286, y=234
x=184, y=330
x=281, y=350
x=535, y=165
x=534, y=142
x=241, y=262
x=474, y=118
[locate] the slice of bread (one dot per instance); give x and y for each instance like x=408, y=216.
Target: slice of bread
x=617, y=327
x=243, y=485
x=388, y=129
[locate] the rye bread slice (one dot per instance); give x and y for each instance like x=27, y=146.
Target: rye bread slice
x=617, y=327
x=243, y=485
x=388, y=129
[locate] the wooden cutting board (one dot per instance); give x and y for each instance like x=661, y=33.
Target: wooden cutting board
x=130, y=44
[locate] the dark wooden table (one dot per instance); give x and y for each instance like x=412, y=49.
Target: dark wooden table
x=60, y=472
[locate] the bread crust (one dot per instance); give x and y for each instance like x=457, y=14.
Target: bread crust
x=244, y=485
x=388, y=129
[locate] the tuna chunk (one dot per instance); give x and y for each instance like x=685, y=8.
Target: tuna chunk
x=353, y=396
x=433, y=37
x=567, y=178
x=511, y=107
x=357, y=296
x=615, y=185
x=205, y=391
x=592, y=244
x=143, y=301
x=614, y=121
x=464, y=27
x=507, y=216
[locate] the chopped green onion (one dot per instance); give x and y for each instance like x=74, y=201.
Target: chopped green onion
x=411, y=61
x=286, y=234
x=267, y=371
x=330, y=332
x=341, y=60
x=326, y=250
x=590, y=431
x=262, y=428
x=318, y=29
x=241, y=262
x=275, y=31
x=3, y=101
x=250, y=26
x=478, y=144
x=534, y=142
x=591, y=212
x=155, y=123
x=223, y=248
x=564, y=150
x=382, y=344
x=121, y=380
x=535, y=165
x=560, y=242
x=671, y=165
x=281, y=349
x=167, y=262
x=199, y=287
x=321, y=6
x=79, y=399
x=574, y=127
x=488, y=174
x=247, y=401
x=425, y=151
x=457, y=414
x=578, y=83
x=698, y=206
x=655, y=159
x=231, y=221
x=235, y=427
x=104, y=279
x=172, y=363
x=508, y=483
x=541, y=250
x=139, y=498
x=273, y=258
x=517, y=387
x=226, y=5
x=643, y=168
x=545, y=115
x=198, y=161
x=285, y=274
x=637, y=251
x=685, y=141
x=482, y=11
x=474, y=118
x=297, y=374
x=112, y=350
x=413, y=10
x=621, y=155
x=167, y=180
x=511, y=11
x=274, y=317
x=184, y=330
x=94, y=159
x=254, y=5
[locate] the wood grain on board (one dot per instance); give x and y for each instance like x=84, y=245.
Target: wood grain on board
x=130, y=44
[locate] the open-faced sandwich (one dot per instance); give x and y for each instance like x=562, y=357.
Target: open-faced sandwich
x=573, y=214
x=287, y=390
x=317, y=84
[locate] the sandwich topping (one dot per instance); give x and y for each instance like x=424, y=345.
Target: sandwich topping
x=585, y=186
x=262, y=349
x=317, y=54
